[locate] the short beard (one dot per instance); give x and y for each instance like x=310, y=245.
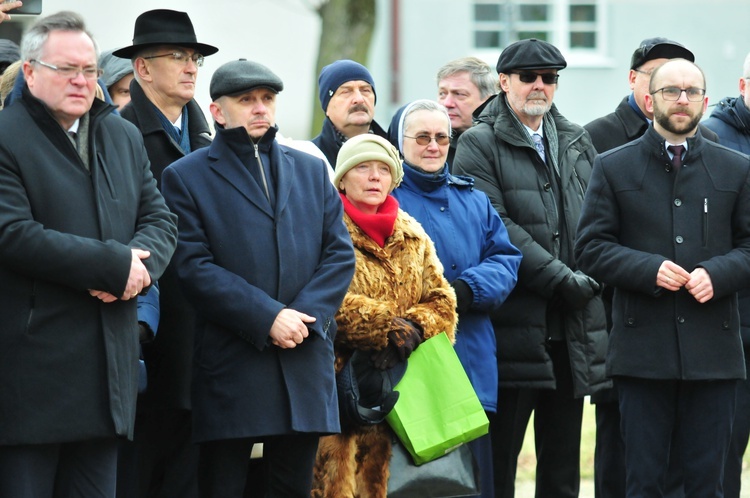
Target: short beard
x=535, y=109
x=663, y=120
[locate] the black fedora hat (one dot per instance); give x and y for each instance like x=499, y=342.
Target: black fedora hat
x=164, y=27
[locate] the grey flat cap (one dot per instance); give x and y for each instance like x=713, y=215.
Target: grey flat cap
x=530, y=54
x=241, y=76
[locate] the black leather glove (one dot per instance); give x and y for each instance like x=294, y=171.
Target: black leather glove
x=464, y=295
x=577, y=289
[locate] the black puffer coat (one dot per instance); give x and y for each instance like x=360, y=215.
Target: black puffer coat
x=501, y=157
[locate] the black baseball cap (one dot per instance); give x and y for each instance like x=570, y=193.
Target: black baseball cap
x=659, y=48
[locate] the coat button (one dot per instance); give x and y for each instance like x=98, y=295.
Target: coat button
x=677, y=202
x=725, y=325
x=679, y=239
x=631, y=321
x=680, y=319
x=547, y=186
x=453, y=267
x=442, y=209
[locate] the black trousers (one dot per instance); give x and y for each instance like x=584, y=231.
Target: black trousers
x=287, y=466
x=697, y=415
x=85, y=469
x=740, y=436
x=557, y=431
x=161, y=461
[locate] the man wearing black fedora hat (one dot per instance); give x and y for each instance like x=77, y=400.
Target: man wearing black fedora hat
x=166, y=57
x=551, y=333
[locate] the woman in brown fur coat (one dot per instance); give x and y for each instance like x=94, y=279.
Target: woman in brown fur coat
x=397, y=298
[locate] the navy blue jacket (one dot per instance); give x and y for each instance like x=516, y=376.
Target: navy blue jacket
x=730, y=120
x=240, y=262
x=473, y=245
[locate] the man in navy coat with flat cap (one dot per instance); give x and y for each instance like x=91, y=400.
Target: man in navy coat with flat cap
x=265, y=259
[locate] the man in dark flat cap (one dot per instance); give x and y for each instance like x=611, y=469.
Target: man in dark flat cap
x=166, y=56
x=266, y=275
x=551, y=333
x=627, y=122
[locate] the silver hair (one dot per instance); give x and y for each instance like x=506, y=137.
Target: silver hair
x=480, y=73
x=420, y=105
x=32, y=44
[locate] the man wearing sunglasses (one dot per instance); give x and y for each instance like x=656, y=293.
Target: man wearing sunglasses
x=629, y=121
x=666, y=223
x=166, y=57
x=534, y=165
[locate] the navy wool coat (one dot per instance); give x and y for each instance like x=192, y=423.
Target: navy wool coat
x=240, y=264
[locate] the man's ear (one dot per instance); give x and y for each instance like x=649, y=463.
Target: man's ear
x=649, y=103
x=217, y=113
x=142, y=70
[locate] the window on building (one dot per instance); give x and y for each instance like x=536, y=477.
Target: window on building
x=574, y=26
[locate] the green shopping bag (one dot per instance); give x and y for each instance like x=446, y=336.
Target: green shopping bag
x=437, y=409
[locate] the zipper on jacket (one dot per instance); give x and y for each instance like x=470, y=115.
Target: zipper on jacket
x=262, y=172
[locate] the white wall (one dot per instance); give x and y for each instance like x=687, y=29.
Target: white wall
x=434, y=32
x=282, y=34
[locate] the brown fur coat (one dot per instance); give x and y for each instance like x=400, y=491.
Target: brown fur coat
x=403, y=279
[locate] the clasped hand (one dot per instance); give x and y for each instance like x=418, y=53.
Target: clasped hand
x=672, y=277
x=289, y=328
x=138, y=279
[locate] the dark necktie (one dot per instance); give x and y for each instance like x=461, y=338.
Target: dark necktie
x=677, y=159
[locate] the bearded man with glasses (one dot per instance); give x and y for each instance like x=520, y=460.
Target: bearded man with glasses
x=166, y=56
x=84, y=233
x=627, y=122
x=666, y=223
x=551, y=333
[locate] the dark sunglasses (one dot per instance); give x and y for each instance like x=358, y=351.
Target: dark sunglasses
x=440, y=139
x=547, y=78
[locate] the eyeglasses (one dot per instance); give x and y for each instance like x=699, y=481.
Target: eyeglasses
x=181, y=57
x=70, y=72
x=439, y=139
x=647, y=73
x=673, y=93
x=547, y=78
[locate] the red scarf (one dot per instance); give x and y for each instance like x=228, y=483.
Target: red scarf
x=378, y=226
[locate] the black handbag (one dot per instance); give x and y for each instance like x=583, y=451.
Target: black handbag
x=453, y=475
